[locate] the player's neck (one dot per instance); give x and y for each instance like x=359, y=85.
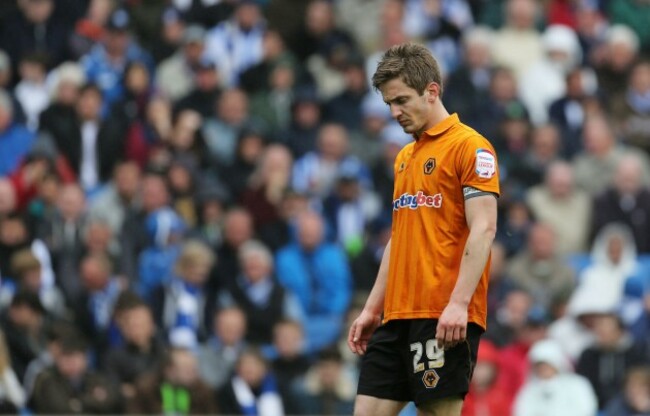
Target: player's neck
x=438, y=114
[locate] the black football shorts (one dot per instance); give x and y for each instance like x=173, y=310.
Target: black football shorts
x=403, y=362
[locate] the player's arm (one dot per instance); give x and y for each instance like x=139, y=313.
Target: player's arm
x=481, y=216
x=370, y=317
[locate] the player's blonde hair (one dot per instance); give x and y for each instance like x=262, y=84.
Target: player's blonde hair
x=411, y=62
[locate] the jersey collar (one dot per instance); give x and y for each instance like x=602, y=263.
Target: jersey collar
x=442, y=127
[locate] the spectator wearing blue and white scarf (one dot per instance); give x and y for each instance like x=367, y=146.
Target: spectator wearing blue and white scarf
x=93, y=309
x=179, y=305
x=252, y=390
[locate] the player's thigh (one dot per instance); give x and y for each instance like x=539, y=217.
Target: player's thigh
x=448, y=406
x=374, y=406
x=439, y=374
x=384, y=372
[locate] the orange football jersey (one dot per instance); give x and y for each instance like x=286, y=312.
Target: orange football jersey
x=429, y=228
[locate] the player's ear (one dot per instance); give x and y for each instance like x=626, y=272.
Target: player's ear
x=433, y=90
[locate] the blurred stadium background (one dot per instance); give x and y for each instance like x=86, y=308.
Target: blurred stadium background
x=195, y=196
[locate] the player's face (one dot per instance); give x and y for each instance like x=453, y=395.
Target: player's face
x=411, y=109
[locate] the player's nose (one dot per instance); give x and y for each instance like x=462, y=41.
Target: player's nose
x=395, y=111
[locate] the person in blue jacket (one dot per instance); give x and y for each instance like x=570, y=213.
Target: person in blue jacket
x=317, y=272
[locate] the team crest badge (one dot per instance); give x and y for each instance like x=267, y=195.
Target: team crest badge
x=401, y=167
x=430, y=379
x=429, y=166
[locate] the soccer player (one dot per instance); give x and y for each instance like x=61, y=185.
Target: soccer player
x=432, y=282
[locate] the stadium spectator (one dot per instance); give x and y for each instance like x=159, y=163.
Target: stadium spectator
x=613, y=66
x=220, y=352
x=142, y=348
x=345, y=107
x=62, y=233
x=469, y=84
x=518, y=45
x=272, y=105
x=252, y=389
x=574, y=331
x=633, y=15
x=106, y=62
x=15, y=138
x=184, y=178
x=256, y=291
x=291, y=363
x=89, y=29
x=606, y=362
x=486, y=396
x=56, y=334
x=319, y=33
x=315, y=173
x=350, y=208
x=174, y=387
x=36, y=26
x=93, y=306
x=205, y=91
x=27, y=275
x=134, y=234
x=266, y=187
x=66, y=82
x=237, y=230
x=14, y=237
x=114, y=202
x=366, y=143
x=595, y=167
x=544, y=149
x=251, y=145
x=32, y=91
x=318, y=273
x=631, y=112
x=501, y=102
x=635, y=398
x=564, y=208
x=553, y=387
x=328, y=389
x=540, y=270
x=509, y=319
x=24, y=327
x=236, y=44
x=175, y=75
x=178, y=302
x=544, y=81
x=627, y=201
x=72, y=387
x=302, y=134
x=185, y=142
x=569, y=111
x=256, y=78
x=613, y=263
x=210, y=201
x=130, y=111
x=90, y=144
x=221, y=130
x=324, y=48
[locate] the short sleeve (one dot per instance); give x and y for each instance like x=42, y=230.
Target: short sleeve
x=477, y=165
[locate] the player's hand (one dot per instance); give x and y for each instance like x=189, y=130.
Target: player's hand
x=361, y=330
x=452, y=325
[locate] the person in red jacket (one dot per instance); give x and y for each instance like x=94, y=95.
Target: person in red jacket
x=487, y=395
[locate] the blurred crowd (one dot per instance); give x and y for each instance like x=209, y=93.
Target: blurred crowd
x=195, y=196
